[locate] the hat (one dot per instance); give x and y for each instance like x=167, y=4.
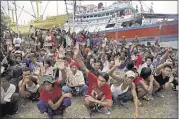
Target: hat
x=74, y=64
x=130, y=74
x=46, y=78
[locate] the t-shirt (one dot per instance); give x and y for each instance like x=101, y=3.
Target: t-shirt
x=54, y=95
x=6, y=96
x=137, y=80
x=95, y=91
x=138, y=61
x=161, y=80
x=17, y=42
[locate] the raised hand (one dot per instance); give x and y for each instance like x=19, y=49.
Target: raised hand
x=61, y=64
x=76, y=49
x=117, y=62
x=168, y=63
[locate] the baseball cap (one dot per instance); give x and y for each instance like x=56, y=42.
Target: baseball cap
x=46, y=78
x=130, y=74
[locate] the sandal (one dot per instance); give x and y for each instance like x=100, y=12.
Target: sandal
x=139, y=103
x=146, y=98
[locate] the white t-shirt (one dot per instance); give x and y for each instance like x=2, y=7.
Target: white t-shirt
x=17, y=42
x=32, y=89
x=6, y=96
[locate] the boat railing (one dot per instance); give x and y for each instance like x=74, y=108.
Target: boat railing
x=98, y=11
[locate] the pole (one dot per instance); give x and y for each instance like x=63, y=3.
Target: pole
x=20, y=13
x=37, y=7
x=12, y=16
x=33, y=8
x=73, y=14
x=57, y=7
x=24, y=10
x=16, y=17
x=8, y=8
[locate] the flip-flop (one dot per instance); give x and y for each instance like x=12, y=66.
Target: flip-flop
x=87, y=116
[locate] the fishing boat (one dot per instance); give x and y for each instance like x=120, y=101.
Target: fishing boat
x=121, y=20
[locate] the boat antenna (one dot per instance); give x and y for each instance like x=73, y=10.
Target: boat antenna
x=20, y=13
x=145, y=5
x=16, y=18
x=45, y=8
x=8, y=8
x=24, y=10
x=33, y=8
x=141, y=7
x=57, y=7
x=66, y=9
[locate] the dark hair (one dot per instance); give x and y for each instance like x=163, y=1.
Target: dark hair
x=33, y=79
x=11, y=62
x=149, y=57
x=48, y=61
x=26, y=69
x=145, y=72
x=135, y=70
x=105, y=76
x=5, y=76
x=130, y=65
x=168, y=66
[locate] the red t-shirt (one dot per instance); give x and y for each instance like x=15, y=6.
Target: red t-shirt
x=138, y=61
x=53, y=40
x=54, y=96
x=137, y=80
x=94, y=91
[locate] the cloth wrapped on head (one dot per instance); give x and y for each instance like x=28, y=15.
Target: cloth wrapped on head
x=74, y=64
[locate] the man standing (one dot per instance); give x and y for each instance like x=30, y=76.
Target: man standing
x=17, y=42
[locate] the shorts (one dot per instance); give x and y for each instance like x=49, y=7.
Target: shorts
x=44, y=107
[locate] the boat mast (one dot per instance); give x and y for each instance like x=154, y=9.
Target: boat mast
x=20, y=13
x=33, y=8
x=12, y=15
x=16, y=18
x=74, y=6
x=37, y=8
x=57, y=7
x=8, y=8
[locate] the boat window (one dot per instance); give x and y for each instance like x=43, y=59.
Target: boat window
x=122, y=13
x=87, y=16
x=107, y=14
x=110, y=25
x=95, y=15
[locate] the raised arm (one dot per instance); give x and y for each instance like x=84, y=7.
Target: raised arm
x=111, y=71
x=160, y=67
x=77, y=57
x=166, y=54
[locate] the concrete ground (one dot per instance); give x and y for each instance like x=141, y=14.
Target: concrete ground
x=159, y=108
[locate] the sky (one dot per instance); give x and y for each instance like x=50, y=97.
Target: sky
x=169, y=7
